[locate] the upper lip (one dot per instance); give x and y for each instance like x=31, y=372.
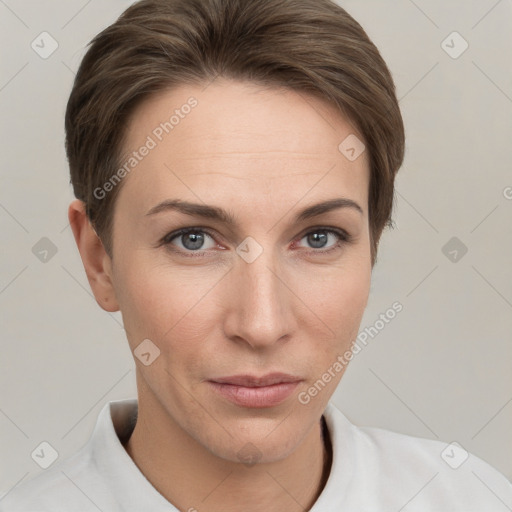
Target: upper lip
x=254, y=381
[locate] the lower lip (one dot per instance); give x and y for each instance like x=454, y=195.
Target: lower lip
x=257, y=397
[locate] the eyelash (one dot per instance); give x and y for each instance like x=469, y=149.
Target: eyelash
x=343, y=238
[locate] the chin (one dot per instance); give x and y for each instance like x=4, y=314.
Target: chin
x=254, y=440
x=255, y=451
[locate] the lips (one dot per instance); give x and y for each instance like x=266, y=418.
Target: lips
x=251, y=381
x=256, y=392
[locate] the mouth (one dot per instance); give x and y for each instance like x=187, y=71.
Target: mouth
x=256, y=392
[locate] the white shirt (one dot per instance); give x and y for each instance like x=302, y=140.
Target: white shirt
x=373, y=470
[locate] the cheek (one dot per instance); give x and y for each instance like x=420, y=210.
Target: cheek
x=170, y=306
x=338, y=298
x=341, y=307
x=346, y=304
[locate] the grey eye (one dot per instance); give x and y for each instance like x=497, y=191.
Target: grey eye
x=192, y=240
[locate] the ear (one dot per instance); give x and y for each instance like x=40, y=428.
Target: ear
x=97, y=263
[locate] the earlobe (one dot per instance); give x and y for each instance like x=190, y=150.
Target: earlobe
x=96, y=261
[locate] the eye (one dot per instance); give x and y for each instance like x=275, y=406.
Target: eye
x=319, y=237
x=191, y=240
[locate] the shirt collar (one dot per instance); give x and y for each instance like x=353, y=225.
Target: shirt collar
x=335, y=491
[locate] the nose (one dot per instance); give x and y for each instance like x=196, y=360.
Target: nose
x=260, y=303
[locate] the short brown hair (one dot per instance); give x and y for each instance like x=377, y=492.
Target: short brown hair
x=312, y=46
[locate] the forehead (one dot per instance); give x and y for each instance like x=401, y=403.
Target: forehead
x=243, y=137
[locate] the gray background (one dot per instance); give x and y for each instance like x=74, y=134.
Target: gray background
x=440, y=369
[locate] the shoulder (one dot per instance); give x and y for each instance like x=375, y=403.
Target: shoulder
x=422, y=474
x=60, y=488
x=99, y=476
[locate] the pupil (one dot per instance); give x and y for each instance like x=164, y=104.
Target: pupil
x=318, y=239
x=195, y=238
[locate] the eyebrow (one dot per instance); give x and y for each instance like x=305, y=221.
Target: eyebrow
x=223, y=216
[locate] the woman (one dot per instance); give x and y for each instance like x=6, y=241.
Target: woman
x=234, y=165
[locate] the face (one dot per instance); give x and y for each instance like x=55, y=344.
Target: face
x=269, y=291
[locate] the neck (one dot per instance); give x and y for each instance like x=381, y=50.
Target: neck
x=190, y=477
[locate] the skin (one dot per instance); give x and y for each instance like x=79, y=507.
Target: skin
x=264, y=154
